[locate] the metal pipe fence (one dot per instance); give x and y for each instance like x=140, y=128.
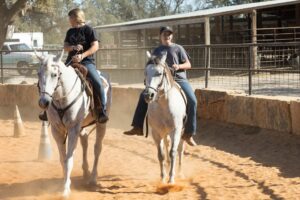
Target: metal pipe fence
x=268, y=68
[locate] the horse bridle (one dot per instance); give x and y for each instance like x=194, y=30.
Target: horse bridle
x=61, y=111
x=161, y=81
x=47, y=93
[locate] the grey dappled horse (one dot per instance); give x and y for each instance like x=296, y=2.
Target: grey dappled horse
x=166, y=112
x=63, y=96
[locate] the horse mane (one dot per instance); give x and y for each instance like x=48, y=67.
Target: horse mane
x=169, y=76
x=157, y=61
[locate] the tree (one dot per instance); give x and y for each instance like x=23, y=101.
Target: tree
x=8, y=13
x=205, y=4
x=49, y=17
x=112, y=11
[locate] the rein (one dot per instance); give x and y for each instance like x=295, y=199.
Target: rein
x=165, y=76
x=171, y=81
x=61, y=111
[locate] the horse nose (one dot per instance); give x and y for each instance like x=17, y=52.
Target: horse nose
x=148, y=96
x=44, y=103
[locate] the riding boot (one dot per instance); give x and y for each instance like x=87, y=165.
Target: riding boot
x=43, y=116
x=103, y=117
x=134, y=131
x=188, y=138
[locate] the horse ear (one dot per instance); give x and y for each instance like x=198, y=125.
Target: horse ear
x=59, y=57
x=148, y=54
x=164, y=57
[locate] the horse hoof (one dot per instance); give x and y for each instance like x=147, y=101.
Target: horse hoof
x=163, y=180
x=92, y=183
x=92, y=186
x=171, y=181
x=86, y=175
x=66, y=194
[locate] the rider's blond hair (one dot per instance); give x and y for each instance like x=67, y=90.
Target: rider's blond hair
x=78, y=15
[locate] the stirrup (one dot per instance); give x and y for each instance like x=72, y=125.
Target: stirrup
x=102, y=118
x=43, y=116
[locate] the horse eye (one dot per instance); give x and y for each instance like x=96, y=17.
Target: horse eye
x=53, y=75
x=158, y=74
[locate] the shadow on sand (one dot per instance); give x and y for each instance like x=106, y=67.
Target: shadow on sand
x=270, y=148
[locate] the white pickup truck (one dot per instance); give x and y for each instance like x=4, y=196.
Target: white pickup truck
x=20, y=55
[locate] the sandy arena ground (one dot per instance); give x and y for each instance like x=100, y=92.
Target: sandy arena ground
x=230, y=162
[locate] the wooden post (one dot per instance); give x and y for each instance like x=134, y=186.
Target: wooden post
x=119, y=49
x=297, y=11
x=218, y=29
x=254, y=39
x=207, y=49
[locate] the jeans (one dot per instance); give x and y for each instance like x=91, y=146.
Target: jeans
x=191, y=123
x=96, y=82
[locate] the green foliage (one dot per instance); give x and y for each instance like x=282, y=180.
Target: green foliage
x=47, y=16
x=50, y=16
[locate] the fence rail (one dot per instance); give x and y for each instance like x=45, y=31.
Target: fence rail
x=264, y=68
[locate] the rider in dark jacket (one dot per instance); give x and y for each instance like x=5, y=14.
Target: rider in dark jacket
x=81, y=44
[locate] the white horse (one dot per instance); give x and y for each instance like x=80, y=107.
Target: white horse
x=166, y=113
x=63, y=96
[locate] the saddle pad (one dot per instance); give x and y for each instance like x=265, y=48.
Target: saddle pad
x=181, y=92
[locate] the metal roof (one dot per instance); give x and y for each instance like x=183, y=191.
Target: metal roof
x=196, y=16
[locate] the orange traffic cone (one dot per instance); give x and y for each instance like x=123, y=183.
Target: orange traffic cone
x=45, y=146
x=18, y=124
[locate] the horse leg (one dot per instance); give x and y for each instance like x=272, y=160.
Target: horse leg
x=84, y=144
x=59, y=139
x=73, y=134
x=161, y=158
x=100, y=132
x=181, y=156
x=160, y=154
x=167, y=141
x=175, y=137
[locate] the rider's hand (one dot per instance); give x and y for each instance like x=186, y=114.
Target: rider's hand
x=77, y=47
x=77, y=58
x=176, y=67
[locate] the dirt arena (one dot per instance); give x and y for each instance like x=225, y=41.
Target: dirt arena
x=230, y=162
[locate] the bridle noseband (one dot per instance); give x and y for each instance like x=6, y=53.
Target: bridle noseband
x=161, y=81
x=61, y=111
x=57, y=85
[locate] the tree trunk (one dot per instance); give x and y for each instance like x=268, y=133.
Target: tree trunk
x=3, y=28
x=7, y=16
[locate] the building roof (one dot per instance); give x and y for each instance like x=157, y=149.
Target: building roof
x=195, y=16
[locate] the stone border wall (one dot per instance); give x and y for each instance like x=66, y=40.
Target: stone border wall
x=275, y=113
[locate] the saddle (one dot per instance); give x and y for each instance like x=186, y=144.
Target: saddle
x=95, y=103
